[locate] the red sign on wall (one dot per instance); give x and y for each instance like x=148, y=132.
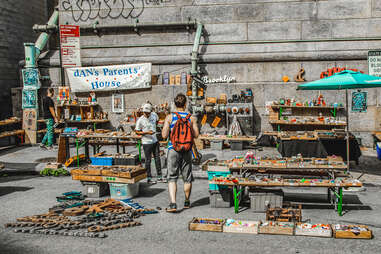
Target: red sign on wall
x=70, y=46
x=334, y=70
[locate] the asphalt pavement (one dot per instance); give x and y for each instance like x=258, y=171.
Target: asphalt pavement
x=28, y=194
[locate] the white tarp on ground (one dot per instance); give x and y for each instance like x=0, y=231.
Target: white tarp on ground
x=107, y=78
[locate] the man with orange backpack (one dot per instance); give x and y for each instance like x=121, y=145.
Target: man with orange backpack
x=181, y=127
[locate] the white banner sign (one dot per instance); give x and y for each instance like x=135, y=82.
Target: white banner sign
x=70, y=46
x=106, y=78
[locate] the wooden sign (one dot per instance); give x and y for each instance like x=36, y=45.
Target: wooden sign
x=29, y=119
x=216, y=121
x=334, y=70
x=203, y=121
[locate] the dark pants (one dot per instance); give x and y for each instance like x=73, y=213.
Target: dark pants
x=148, y=150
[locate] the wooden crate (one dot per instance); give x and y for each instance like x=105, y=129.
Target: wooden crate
x=277, y=228
x=108, y=172
x=310, y=231
x=237, y=226
x=108, y=179
x=196, y=225
x=340, y=233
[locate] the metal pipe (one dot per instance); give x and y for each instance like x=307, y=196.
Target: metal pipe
x=347, y=119
x=30, y=55
x=44, y=36
x=224, y=43
x=51, y=28
x=347, y=55
x=194, y=59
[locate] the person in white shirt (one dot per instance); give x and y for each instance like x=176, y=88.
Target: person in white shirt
x=146, y=126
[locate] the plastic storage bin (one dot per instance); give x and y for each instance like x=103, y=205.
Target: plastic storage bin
x=378, y=148
x=236, y=145
x=126, y=159
x=221, y=199
x=261, y=199
x=104, y=160
x=123, y=190
x=212, y=174
x=96, y=190
x=216, y=145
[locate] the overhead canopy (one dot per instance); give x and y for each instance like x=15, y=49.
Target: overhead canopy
x=343, y=80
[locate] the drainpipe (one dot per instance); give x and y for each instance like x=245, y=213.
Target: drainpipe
x=196, y=81
x=44, y=36
x=88, y=28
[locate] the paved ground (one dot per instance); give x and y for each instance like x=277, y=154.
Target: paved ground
x=22, y=195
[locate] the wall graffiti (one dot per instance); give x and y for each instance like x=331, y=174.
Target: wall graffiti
x=84, y=10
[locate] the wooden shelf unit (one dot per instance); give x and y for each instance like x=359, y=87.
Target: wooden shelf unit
x=276, y=117
x=83, y=109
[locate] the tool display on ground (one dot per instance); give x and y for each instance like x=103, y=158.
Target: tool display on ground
x=82, y=218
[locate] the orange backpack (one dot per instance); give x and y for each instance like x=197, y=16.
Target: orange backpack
x=181, y=134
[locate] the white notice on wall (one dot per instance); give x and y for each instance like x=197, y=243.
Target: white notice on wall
x=374, y=63
x=70, y=46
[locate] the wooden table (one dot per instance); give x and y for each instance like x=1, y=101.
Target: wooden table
x=203, y=138
x=336, y=187
x=83, y=140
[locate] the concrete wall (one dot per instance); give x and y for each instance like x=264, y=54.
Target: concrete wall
x=256, y=41
x=16, y=20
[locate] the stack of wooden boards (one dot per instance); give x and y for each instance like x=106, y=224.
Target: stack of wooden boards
x=8, y=129
x=280, y=228
x=110, y=174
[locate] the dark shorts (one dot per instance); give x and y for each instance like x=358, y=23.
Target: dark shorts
x=180, y=163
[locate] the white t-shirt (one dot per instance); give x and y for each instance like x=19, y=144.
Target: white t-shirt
x=148, y=124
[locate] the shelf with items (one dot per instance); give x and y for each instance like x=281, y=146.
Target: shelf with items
x=86, y=111
x=11, y=133
x=11, y=127
x=290, y=114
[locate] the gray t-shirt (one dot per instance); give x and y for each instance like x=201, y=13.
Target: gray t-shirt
x=148, y=124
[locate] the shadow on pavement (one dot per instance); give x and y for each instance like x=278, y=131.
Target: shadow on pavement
x=147, y=192
x=20, y=166
x=368, y=164
x=5, y=190
x=201, y=202
x=13, y=178
x=12, y=149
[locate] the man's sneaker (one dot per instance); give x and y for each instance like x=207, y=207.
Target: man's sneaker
x=42, y=146
x=187, y=204
x=160, y=179
x=151, y=181
x=172, y=208
x=50, y=148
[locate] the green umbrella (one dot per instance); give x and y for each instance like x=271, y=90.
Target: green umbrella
x=344, y=80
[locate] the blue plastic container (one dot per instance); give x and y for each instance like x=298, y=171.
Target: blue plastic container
x=101, y=161
x=378, y=149
x=123, y=190
x=212, y=174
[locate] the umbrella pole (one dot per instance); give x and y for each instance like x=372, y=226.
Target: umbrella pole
x=347, y=120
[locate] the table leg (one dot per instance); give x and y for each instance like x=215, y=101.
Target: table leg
x=77, y=147
x=124, y=149
x=117, y=145
x=340, y=204
x=236, y=201
x=67, y=148
x=87, y=153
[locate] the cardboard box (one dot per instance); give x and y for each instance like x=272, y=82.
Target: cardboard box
x=204, y=224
